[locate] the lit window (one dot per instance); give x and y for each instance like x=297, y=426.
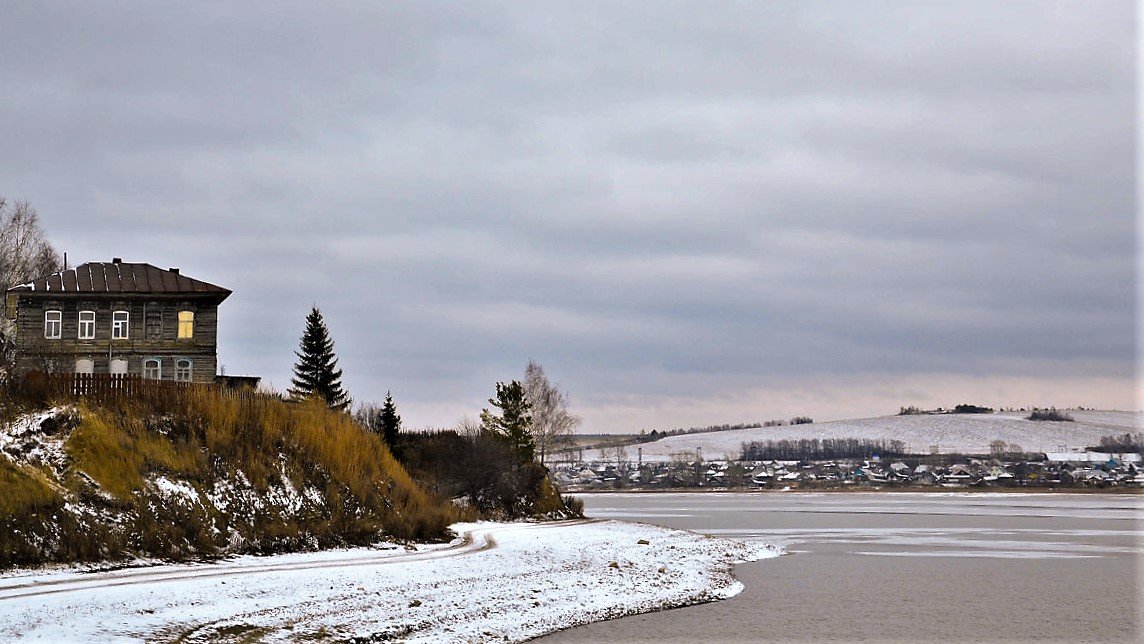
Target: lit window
x=119, y=321
x=153, y=324
x=86, y=326
x=151, y=369
x=183, y=370
x=53, y=324
x=186, y=325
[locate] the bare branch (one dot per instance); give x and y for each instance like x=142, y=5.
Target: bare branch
x=551, y=421
x=25, y=252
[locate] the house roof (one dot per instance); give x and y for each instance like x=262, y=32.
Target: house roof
x=120, y=277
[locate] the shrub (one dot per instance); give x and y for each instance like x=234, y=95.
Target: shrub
x=485, y=470
x=574, y=505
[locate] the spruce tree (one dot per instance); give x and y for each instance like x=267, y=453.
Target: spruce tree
x=514, y=423
x=390, y=422
x=316, y=373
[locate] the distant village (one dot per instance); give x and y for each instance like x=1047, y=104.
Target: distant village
x=1056, y=470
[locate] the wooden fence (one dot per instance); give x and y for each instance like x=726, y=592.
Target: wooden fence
x=42, y=386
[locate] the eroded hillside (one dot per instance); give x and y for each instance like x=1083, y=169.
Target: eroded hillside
x=200, y=474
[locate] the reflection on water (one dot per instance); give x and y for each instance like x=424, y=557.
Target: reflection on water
x=904, y=567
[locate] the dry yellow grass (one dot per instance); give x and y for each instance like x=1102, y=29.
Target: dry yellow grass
x=24, y=489
x=203, y=433
x=213, y=441
x=118, y=451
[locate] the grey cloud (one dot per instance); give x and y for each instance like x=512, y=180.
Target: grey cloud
x=652, y=198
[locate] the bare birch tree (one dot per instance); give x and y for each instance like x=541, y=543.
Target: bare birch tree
x=551, y=421
x=468, y=427
x=25, y=252
x=619, y=455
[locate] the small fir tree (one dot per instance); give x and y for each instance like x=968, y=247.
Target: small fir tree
x=514, y=422
x=390, y=422
x=316, y=373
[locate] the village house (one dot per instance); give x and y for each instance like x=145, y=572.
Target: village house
x=116, y=318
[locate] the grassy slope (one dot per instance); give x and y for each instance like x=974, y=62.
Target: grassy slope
x=200, y=474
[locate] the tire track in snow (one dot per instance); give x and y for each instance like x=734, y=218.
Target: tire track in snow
x=205, y=632
x=469, y=544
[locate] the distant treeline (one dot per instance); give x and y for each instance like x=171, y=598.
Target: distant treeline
x=820, y=449
x=959, y=409
x=656, y=434
x=1050, y=414
x=1125, y=443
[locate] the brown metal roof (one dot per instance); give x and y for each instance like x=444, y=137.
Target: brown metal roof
x=120, y=277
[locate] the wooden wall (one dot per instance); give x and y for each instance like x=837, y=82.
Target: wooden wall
x=60, y=355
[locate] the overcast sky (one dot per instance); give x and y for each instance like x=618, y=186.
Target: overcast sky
x=688, y=212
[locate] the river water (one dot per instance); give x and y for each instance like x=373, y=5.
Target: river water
x=903, y=567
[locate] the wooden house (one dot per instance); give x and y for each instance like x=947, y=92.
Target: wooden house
x=119, y=318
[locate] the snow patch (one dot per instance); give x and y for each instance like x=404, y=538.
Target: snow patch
x=969, y=433
x=504, y=582
x=23, y=441
x=176, y=490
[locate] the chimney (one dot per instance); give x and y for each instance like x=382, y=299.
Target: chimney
x=116, y=260
x=174, y=269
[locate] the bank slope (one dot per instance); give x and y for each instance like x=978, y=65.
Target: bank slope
x=200, y=474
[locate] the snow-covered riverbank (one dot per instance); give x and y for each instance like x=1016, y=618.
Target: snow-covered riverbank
x=501, y=581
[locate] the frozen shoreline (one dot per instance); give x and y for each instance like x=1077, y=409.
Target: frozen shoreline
x=500, y=582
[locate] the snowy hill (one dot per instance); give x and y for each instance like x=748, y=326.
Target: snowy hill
x=967, y=433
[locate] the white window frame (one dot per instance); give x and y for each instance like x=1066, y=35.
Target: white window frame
x=186, y=325
x=53, y=324
x=120, y=325
x=87, y=325
x=184, y=369
x=153, y=373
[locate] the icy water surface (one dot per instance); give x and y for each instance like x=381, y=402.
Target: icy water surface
x=904, y=567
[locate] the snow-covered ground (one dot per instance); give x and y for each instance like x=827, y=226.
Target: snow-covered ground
x=969, y=433
x=503, y=582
